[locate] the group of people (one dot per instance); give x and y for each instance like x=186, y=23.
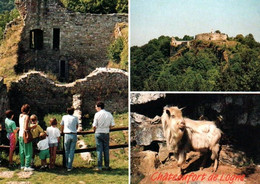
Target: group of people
x=47, y=141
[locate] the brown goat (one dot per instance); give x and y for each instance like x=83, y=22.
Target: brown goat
x=183, y=135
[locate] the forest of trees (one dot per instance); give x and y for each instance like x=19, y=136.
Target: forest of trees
x=6, y=5
x=97, y=6
x=7, y=13
x=202, y=67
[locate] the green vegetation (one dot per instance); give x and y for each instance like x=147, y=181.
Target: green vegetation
x=115, y=50
x=185, y=38
x=6, y=17
x=6, y=5
x=7, y=13
x=83, y=172
x=97, y=6
x=9, y=52
x=232, y=65
x=118, y=49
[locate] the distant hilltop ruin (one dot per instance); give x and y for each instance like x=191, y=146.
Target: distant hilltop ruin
x=203, y=36
x=211, y=36
x=69, y=44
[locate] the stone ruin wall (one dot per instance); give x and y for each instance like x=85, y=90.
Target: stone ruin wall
x=84, y=38
x=211, y=36
x=46, y=96
x=4, y=101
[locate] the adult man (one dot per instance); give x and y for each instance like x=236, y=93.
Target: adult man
x=103, y=121
x=69, y=126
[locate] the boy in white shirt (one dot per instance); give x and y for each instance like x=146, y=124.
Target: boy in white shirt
x=54, y=138
x=43, y=146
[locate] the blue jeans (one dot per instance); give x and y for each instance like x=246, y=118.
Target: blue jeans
x=70, y=141
x=102, y=143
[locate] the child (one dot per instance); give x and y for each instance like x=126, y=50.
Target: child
x=43, y=146
x=54, y=137
x=11, y=134
x=36, y=131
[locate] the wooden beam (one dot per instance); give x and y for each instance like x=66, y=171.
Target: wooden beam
x=92, y=132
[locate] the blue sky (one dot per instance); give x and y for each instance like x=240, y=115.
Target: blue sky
x=152, y=18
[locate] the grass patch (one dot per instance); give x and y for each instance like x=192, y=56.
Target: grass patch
x=82, y=172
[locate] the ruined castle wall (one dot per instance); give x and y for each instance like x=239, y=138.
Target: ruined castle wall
x=4, y=101
x=211, y=36
x=41, y=93
x=84, y=39
x=46, y=97
x=108, y=85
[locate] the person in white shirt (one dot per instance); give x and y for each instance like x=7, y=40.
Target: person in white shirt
x=103, y=121
x=43, y=146
x=69, y=126
x=54, y=138
x=25, y=149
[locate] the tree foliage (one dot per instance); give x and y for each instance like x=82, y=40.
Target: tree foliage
x=201, y=67
x=6, y=5
x=97, y=6
x=6, y=17
x=115, y=50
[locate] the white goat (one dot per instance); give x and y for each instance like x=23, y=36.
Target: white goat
x=183, y=135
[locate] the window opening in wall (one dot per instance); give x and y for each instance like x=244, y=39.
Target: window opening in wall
x=36, y=39
x=62, y=69
x=56, y=39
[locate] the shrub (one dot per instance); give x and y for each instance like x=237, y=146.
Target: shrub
x=115, y=49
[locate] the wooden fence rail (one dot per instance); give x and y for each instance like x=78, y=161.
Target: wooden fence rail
x=6, y=147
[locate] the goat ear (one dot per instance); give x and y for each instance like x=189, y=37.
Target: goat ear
x=168, y=112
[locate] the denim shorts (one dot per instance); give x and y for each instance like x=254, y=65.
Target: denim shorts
x=53, y=145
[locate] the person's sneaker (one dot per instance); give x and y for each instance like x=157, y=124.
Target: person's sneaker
x=22, y=168
x=69, y=170
x=28, y=169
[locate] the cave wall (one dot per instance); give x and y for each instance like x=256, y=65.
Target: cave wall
x=237, y=115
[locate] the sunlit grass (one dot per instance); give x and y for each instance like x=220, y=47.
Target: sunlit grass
x=9, y=53
x=82, y=172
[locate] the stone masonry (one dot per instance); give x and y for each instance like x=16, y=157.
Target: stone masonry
x=4, y=105
x=46, y=96
x=4, y=101
x=69, y=44
x=211, y=36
